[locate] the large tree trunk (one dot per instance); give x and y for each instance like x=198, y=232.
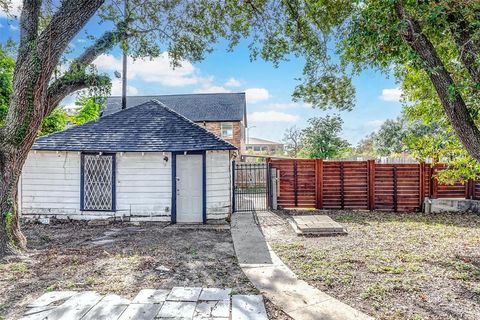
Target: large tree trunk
x=11, y=237
x=31, y=100
x=452, y=102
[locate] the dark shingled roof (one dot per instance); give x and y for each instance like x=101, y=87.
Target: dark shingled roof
x=196, y=107
x=150, y=126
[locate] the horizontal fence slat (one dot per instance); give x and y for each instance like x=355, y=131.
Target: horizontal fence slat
x=362, y=185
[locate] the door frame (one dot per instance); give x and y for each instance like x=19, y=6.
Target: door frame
x=203, y=153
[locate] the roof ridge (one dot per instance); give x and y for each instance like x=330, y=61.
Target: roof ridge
x=163, y=105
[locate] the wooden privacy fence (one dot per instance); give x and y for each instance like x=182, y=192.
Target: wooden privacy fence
x=324, y=184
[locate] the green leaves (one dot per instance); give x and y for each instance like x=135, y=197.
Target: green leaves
x=89, y=109
x=321, y=139
x=54, y=122
x=7, y=64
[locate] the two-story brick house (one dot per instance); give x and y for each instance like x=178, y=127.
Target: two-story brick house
x=224, y=114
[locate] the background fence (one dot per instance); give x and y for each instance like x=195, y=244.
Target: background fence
x=322, y=184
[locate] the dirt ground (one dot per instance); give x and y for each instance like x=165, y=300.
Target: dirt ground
x=391, y=266
x=121, y=259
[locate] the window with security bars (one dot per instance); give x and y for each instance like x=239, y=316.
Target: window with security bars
x=98, y=173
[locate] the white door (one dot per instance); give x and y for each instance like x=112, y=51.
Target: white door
x=189, y=188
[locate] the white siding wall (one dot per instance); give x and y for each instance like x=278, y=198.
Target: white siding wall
x=144, y=185
x=50, y=186
x=218, y=184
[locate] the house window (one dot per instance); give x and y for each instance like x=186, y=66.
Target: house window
x=98, y=182
x=227, y=130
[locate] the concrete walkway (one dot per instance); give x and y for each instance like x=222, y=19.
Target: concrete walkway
x=277, y=282
x=180, y=303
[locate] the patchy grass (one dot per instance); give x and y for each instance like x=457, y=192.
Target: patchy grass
x=394, y=266
x=68, y=256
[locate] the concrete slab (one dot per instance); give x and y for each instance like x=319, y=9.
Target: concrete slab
x=451, y=205
x=38, y=313
x=317, y=225
x=75, y=307
x=283, y=288
x=51, y=297
x=248, y=308
x=177, y=310
x=90, y=305
x=114, y=299
x=212, y=309
x=37, y=316
x=151, y=296
x=146, y=311
x=109, y=308
x=249, y=243
x=38, y=310
x=184, y=294
x=209, y=294
x=328, y=310
x=105, y=311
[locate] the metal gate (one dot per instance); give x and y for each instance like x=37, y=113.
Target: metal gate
x=250, y=186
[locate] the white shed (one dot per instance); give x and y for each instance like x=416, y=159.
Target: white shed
x=146, y=163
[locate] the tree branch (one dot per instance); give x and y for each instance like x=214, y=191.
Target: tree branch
x=463, y=37
x=75, y=78
x=452, y=102
x=28, y=25
x=103, y=44
x=61, y=88
x=69, y=19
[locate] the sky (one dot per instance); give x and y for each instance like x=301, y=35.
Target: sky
x=270, y=109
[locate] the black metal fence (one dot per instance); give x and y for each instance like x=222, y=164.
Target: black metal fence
x=250, y=186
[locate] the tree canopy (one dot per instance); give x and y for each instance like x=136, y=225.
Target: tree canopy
x=432, y=43
x=321, y=139
x=292, y=141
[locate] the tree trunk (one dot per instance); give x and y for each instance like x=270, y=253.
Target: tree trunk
x=11, y=237
x=39, y=55
x=452, y=102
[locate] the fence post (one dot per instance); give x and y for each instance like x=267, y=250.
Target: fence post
x=295, y=182
x=395, y=189
x=469, y=189
x=434, y=183
x=474, y=187
x=371, y=184
x=273, y=187
x=342, y=186
x=421, y=184
x=430, y=181
x=233, y=187
x=319, y=183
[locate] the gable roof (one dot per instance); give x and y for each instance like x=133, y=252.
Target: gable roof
x=196, y=107
x=150, y=126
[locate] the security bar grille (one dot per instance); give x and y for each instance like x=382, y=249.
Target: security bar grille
x=98, y=182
